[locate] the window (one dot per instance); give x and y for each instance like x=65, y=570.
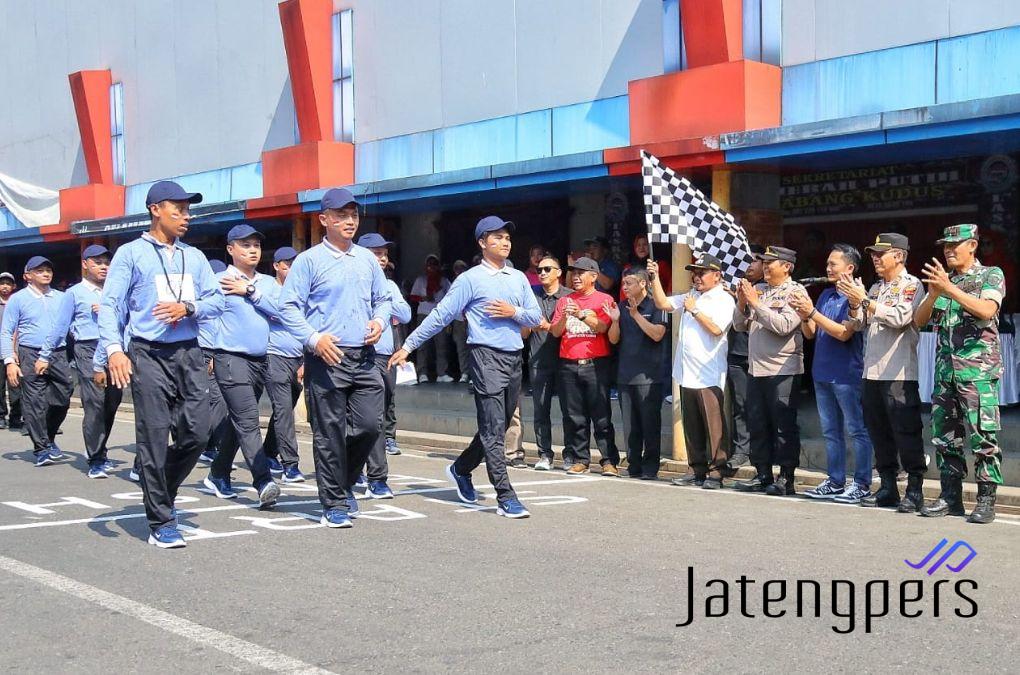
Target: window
x=117, y=130
x=673, y=58
x=763, y=29
x=343, y=76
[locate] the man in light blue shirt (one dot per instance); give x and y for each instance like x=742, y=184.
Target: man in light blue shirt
x=45, y=385
x=79, y=314
x=497, y=301
x=285, y=371
x=336, y=303
x=239, y=363
x=378, y=466
x=219, y=422
x=167, y=287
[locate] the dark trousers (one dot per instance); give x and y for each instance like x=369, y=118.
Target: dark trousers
x=704, y=430
x=496, y=379
x=546, y=383
x=641, y=406
x=586, y=388
x=892, y=414
x=378, y=465
x=13, y=394
x=98, y=404
x=241, y=379
x=169, y=388
x=284, y=390
x=772, y=421
x=344, y=403
x=736, y=382
x=218, y=421
x=45, y=397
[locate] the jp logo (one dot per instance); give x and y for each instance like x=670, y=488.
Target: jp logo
x=945, y=556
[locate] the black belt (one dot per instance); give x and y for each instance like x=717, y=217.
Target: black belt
x=239, y=355
x=87, y=342
x=583, y=362
x=165, y=345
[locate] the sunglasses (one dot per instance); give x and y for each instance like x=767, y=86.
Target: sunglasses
x=546, y=270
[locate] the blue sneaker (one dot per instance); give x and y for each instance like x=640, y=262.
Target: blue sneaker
x=512, y=508
x=391, y=447
x=220, y=487
x=465, y=488
x=362, y=481
x=208, y=457
x=167, y=537
x=292, y=475
x=275, y=467
x=352, y=505
x=378, y=489
x=335, y=518
x=43, y=458
x=108, y=466
x=55, y=452
x=268, y=494
x=98, y=471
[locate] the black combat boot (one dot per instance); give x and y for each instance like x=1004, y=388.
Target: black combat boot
x=886, y=495
x=984, y=512
x=913, y=498
x=783, y=485
x=756, y=484
x=950, y=502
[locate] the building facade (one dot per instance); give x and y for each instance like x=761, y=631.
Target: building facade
x=813, y=120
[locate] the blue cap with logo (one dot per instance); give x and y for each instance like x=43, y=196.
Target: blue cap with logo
x=373, y=240
x=337, y=198
x=94, y=251
x=37, y=261
x=491, y=224
x=167, y=190
x=243, y=231
x=284, y=253
x=217, y=266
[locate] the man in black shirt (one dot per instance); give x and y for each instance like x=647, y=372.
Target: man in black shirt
x=544, y=360
x=639, y=329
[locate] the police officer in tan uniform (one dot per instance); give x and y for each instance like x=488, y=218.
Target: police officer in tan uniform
x=776, y=360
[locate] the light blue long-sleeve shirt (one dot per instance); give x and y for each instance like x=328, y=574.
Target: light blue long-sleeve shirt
x=137, y=279
x=75, y=315
x=469, y=294
x=243, y=327
x=401, y=312
x=335, y=292
x=281, y=342
x=30, y=314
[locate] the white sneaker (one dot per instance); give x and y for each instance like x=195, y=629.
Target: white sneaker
x=444, y=379
x=133, y=475
x=544, y=464
x=669, y=399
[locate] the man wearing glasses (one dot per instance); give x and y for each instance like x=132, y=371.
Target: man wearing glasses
x=167, y=288
x=544, y=362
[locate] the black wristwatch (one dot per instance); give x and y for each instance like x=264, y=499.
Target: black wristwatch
x=865, y=303
x=249, y=291
x=189, y=308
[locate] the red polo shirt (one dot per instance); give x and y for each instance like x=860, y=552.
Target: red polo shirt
x=579, y=341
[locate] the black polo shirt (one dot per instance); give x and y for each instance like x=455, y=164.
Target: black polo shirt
x=641, y=358
x=543, y=347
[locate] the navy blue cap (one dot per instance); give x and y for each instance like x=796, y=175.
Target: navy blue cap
x=284, y=253
x=94, y=251
x=217, y=266
x=373, y=240
x=36, y=261
x=491, y=224
x=337, y=198
x=243, y=231
x=166, y=190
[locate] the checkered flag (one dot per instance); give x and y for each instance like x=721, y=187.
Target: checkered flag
x=678, y=212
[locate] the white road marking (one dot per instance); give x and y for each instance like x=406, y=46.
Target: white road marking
x=253, y=654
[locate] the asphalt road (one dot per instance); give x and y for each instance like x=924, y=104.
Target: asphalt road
x=595, y=580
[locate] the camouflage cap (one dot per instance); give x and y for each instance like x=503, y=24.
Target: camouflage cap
x=954, y=234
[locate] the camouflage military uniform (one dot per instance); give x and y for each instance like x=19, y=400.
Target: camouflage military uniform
x=968, y=364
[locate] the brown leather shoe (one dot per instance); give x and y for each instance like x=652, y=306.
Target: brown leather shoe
x=610, y=470
x=577, y=469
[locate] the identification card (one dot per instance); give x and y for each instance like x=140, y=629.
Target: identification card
x=181, y=288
